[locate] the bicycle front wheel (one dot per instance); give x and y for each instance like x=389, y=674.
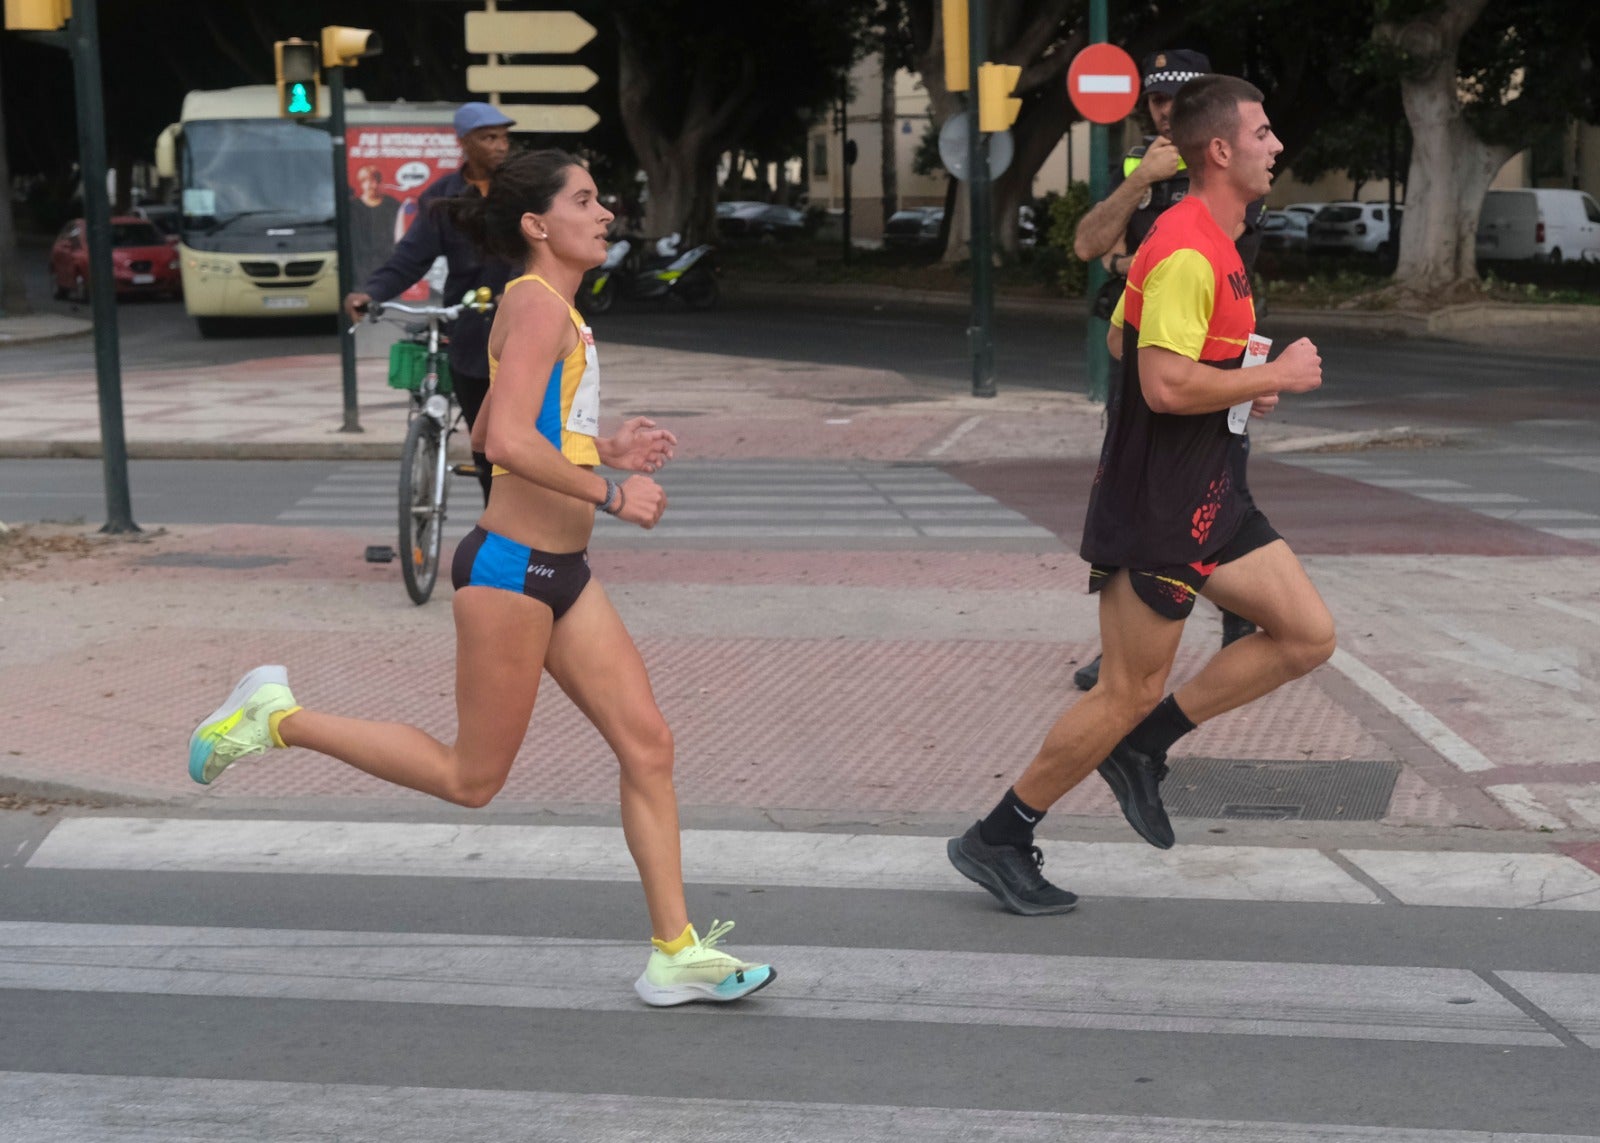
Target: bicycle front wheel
x=423, y=489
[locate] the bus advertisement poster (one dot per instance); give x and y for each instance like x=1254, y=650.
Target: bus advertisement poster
x=388, y=168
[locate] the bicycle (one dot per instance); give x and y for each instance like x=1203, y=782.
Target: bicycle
x=421, y=365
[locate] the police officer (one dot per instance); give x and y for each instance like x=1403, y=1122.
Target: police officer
x=1152, y=178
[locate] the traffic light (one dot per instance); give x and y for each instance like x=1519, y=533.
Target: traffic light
x=37, y=15
x=343, y=47
x=997, y=107
x=955, y=45
x=296, y=62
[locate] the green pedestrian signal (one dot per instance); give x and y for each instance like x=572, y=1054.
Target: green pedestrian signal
x=298, y=72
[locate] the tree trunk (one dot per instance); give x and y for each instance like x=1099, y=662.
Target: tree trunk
x=1035, y=135
x=13, y=293
x=1451, y=167
x=888, y=124
x=679, y=160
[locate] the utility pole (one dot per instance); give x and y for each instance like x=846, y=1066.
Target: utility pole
x=980, y=335
x=75, y=26
x=1099, y=356
x=345, y=257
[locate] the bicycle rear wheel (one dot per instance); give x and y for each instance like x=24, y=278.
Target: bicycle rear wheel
x=423, y=491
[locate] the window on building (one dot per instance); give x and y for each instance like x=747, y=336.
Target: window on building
x=819, y=157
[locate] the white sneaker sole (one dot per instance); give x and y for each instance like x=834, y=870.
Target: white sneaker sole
x=199, y=754
x=756, y=977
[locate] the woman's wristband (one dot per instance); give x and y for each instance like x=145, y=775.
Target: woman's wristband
x=614, y=500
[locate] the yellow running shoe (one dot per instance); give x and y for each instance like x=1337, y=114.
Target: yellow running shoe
x=700, y=972
x=241, y=727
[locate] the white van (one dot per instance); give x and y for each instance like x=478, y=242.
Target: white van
x=1549, y=224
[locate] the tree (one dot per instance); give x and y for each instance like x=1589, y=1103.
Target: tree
x=700, y=77
x=1478, y=81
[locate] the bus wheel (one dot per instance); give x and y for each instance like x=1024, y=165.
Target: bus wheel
x=210, y=326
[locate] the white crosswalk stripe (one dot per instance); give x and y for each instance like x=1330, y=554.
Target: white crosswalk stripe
x=892, y=979
x=734, y=500
x=56, y=1108
x=1568, y=523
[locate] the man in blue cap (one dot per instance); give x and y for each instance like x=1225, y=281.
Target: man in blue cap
x=485, y=141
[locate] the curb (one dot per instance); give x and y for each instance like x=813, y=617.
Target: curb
x=8, y=341
x=1360, y=437
x=210, y=450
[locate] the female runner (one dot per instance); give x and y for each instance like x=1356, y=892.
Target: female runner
x=524, y=600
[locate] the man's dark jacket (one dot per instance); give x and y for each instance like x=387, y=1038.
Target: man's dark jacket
x=430, y=235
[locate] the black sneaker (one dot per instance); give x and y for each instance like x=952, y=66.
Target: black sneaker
x=1235, y=627
x=1011, y=873
x=1084, y=678
x=1136, y=781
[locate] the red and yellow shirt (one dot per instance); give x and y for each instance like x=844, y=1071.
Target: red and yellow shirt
x=1170, y=488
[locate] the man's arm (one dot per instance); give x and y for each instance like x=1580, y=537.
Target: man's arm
x=1173, y=383
x=1103, y=227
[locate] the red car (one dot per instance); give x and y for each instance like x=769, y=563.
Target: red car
x=142, y=260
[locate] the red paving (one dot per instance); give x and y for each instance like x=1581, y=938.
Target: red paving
x=1317, y=513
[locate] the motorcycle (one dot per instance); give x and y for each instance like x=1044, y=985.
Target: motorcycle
x=691, y=276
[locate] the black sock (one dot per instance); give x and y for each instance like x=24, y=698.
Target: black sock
x=1160, y=729
x=1010, y=823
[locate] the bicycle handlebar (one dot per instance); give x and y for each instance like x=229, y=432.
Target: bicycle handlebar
x=374, y=311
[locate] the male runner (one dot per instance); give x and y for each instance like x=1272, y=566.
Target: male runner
x=1169, y=515
x=1151, y=178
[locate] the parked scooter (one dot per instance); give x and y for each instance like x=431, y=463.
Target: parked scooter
x=690, y=277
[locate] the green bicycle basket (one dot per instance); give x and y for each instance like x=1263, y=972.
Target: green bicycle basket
x=408, y=365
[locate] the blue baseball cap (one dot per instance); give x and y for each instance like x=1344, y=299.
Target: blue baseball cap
x=471, y=116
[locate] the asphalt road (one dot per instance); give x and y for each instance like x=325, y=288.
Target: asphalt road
x=173, y=992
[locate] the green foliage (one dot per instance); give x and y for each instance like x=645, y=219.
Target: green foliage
x=1062, y=214
x=927, y=161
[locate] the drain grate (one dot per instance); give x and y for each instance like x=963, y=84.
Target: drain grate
x=1279, y=791
x=209, y=560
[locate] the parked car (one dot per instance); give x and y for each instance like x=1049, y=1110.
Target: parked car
x=761, y=221
x=1284, y=229
x=1549, y=224
x=1361, y=227
x=142, y=262
x=913, y=227
x=1309, y=209
x=162, y=216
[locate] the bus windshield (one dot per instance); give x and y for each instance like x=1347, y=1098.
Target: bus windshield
x=277, y=170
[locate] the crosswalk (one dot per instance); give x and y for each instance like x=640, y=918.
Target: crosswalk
x=1392, y=473
x=244, y=977
x=759, y=502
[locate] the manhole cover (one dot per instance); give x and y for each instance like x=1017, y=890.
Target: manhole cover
x=208, y=560
x=1279, y=791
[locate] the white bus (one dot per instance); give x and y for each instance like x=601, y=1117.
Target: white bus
x=256, y=200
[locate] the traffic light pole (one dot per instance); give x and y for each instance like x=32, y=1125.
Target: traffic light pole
x=83, y=40
x=341, y=223
x=1099, y=357
x=980, y=335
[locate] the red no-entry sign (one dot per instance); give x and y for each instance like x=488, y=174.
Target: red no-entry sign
x=1103, y=83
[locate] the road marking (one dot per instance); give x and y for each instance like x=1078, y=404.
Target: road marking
x=1455, y=749
x=1521, y=801
x=44, y=1107
x=954, y=435
x=1473, y=497
x=1410, y=483
x=772, y=857
x=1126, y=994
x=1483, y=880
x=1568, y=609
x=1571, y=999
x=1574, y=533
x=1555, y=666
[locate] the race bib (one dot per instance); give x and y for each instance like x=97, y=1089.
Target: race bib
x=1255, y=353
x=584, y=416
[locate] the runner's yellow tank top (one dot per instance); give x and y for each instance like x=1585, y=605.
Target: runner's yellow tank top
x=569, y=417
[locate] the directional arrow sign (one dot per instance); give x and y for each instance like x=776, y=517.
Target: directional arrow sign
x=527, y=33
x=571, y=119
x=491, y=77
